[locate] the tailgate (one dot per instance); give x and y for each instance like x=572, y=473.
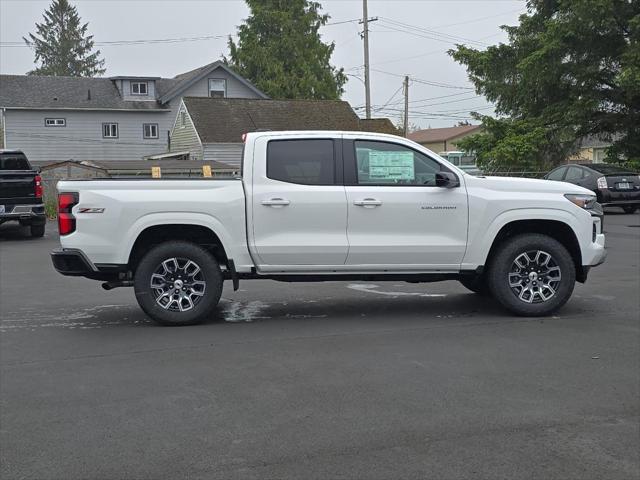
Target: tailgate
x=17, y=187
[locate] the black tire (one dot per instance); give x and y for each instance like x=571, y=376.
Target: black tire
x=37, y=230
x=202, y=302
x=630, y=209
x=503, y=268
x=476, y=283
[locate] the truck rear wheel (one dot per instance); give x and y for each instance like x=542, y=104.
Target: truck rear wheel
x=532, y=275
x=178, y=283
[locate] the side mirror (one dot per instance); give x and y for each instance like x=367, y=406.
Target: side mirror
x=447, y=180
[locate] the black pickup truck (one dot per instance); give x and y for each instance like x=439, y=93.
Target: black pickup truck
x=21, y=192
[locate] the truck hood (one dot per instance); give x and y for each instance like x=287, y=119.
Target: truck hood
x=516, y=184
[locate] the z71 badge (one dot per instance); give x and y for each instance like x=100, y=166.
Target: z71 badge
x=90, y=210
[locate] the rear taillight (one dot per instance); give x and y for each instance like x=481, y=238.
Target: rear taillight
x=602, y=183
x=38, y=186
x=66, y=220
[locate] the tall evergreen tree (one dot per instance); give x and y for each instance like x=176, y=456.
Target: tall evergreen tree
x=62, y=46
x=570, y=69
x=280, y=50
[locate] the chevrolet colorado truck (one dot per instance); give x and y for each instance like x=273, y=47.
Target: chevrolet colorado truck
x=21, y=192
x=323, y=205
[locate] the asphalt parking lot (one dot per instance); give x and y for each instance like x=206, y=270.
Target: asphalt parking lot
x=333, y=380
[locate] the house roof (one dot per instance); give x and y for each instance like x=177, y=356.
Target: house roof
x=45, y=92
x=430, y=135
x=378, y=125
x=242, y=115
x=179, y=83
x=30, y=91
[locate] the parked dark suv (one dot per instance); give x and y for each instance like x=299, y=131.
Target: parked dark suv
x=614, y=186
x=21, y=192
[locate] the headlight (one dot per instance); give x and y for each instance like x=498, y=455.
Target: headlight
x=587, y=202
x=602, y=182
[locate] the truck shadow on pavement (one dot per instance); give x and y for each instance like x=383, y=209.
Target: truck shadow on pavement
x=388, y=312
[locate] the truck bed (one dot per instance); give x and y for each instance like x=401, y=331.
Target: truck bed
x=116, y=211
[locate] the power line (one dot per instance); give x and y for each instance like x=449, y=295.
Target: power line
x=400, y=59
x=388, y=101
x=418, y=103
x=427, y=33
x=421, y=105
x=423, y=81
x=133, y=42
x=480, y=19
x=160, y=40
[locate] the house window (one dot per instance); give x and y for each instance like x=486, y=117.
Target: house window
x=110, y=130
x=217, y=88
x=139, y=88
x=183, y=119
x=55, y=122
x=150, y=130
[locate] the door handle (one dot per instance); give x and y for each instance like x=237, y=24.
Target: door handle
x=368, y=202
x=276, y=202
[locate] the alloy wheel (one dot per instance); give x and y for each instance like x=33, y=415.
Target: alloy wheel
x=534, y=276
x=178, y=284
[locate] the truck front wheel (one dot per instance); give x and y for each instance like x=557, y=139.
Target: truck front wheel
x=532, y=275
x=178, y=283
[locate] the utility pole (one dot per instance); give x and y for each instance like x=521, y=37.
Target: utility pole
x=406, y=105
x=365, y=35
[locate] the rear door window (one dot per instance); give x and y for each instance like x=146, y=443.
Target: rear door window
x=574, y=174
x=557, y=174
x=14, y=161
x=305, y=162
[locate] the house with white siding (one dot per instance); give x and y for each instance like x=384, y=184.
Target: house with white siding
x=123, y=118
x=211, y=129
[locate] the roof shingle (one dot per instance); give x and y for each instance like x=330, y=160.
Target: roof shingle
x=30, y=91
x=220, y=120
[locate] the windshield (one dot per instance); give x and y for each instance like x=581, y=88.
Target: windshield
x=610, y=169
x=14, y=161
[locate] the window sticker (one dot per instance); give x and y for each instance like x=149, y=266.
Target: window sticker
x=391, y=165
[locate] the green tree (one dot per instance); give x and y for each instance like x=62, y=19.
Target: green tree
x=571, y=68
x=280, y=50
x=62, y=46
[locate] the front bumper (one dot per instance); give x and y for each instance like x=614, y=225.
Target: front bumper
x=28, y=214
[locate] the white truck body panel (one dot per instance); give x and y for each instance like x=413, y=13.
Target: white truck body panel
x=308, y=229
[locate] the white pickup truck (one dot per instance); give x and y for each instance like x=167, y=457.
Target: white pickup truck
x=317, y=206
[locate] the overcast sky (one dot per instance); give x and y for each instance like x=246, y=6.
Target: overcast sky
x=410, y=37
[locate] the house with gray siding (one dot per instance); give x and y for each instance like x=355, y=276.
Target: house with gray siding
x=211, y=129
x=123, y=118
